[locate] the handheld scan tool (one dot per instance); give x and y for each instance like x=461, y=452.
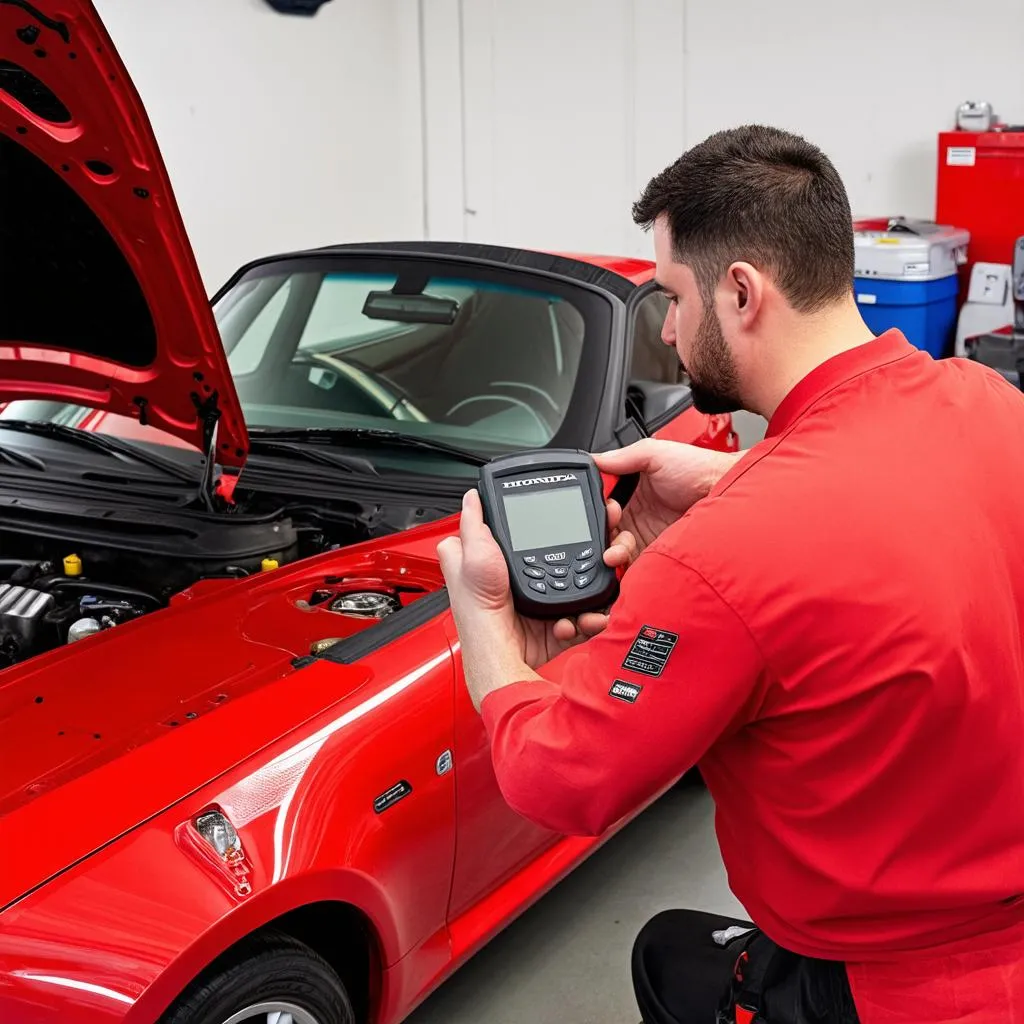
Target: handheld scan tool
x=546, y=510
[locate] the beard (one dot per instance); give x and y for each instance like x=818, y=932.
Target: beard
x=714, y=382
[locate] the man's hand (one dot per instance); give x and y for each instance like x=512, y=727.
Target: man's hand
x=499, y=646
x=673, y=476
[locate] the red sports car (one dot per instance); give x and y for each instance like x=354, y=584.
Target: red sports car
x=241, y=778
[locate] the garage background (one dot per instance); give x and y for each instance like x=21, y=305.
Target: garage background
x=533, y=122
x=536, y=123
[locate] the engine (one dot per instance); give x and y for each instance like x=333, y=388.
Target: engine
x=59, y=591
x=43, y=605
x=69, y=570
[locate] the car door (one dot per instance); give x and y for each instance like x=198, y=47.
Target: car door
x=492, y=840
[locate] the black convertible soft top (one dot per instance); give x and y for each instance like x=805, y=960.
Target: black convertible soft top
x=562, y=266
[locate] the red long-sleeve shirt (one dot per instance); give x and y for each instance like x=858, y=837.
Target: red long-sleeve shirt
x=838, y=641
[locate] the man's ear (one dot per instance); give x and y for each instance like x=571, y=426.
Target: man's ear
x=745, y=285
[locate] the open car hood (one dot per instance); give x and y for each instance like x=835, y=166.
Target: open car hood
x=101, y=302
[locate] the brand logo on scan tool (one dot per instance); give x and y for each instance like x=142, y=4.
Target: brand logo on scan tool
x=555, y=478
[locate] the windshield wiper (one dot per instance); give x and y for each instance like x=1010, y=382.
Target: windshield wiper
x=101, y=443
x=331, y=436
x=264, y=445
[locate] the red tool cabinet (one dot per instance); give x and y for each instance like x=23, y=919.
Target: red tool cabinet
x=981, y=188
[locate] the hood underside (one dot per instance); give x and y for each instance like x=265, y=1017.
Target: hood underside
x=102, y=303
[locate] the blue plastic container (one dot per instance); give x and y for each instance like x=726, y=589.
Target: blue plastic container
x=925, y=311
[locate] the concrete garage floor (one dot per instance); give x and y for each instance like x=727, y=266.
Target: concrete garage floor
x=566, y=960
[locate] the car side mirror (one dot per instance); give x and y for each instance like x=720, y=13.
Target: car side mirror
x=655, y=403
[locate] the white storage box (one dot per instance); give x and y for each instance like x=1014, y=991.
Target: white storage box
x=908, y=250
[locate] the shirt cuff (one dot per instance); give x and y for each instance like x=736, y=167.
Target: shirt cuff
x=506, y=700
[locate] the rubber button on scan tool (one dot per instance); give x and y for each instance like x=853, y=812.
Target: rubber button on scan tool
x=534, y=571
x=530, y=559
x=541, y=588
x=585, y=553
x=555, y=558
x=558, y=571
x=581, y=581
x=585, y=566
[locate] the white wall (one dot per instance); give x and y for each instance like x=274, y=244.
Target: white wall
x=896, y=70
x=571, y=105
x=563, y=118
x=534, y=122
x=280, y=131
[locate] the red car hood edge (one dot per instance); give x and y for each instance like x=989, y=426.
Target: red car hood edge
x=137, y=206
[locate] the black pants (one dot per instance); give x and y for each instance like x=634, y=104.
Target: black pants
x=680, y=976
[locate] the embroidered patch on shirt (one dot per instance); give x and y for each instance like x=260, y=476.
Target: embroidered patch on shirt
x=650, y=651
x=625, y=691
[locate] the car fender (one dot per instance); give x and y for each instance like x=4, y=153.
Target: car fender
x=118, y=936
x=131, y=938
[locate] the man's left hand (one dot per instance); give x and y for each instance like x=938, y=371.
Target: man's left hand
x=500, y=646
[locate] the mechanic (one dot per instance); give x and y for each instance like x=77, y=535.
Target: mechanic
x=840, y=613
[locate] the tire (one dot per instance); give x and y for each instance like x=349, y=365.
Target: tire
x=271, y=968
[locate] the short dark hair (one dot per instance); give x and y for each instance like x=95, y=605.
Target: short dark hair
x=761, y=195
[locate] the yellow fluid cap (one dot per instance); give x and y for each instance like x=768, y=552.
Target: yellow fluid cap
x=268, y=563
x=72, y=565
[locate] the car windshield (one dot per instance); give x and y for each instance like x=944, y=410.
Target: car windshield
x=476, y=362
x=478, y=358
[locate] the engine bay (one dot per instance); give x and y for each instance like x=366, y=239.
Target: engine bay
x=68, y=577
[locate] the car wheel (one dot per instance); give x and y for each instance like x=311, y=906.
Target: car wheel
x=271, y=979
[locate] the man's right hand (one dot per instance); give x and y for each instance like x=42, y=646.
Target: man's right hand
x=673, y=476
